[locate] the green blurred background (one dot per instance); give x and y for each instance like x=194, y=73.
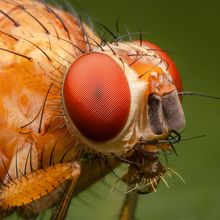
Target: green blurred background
x=190, y=30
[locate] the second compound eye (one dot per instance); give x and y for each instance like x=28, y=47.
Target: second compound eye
x=97, y=96
x=171, y=65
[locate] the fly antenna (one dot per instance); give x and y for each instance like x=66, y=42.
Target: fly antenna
x=191, y=93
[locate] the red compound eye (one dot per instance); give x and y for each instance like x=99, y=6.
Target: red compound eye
x=97, y=96
x=172, y=67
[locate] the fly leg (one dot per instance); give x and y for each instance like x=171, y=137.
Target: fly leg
x=129, y=206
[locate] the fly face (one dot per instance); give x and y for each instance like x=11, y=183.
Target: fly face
x=123, y=101
x=120, y=95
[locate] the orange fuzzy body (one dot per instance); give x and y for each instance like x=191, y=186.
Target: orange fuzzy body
x=30, y=113
x=37, y=45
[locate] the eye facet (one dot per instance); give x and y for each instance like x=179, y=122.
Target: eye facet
x=97, y=96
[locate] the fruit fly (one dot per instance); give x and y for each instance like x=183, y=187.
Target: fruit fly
x=73, y=106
